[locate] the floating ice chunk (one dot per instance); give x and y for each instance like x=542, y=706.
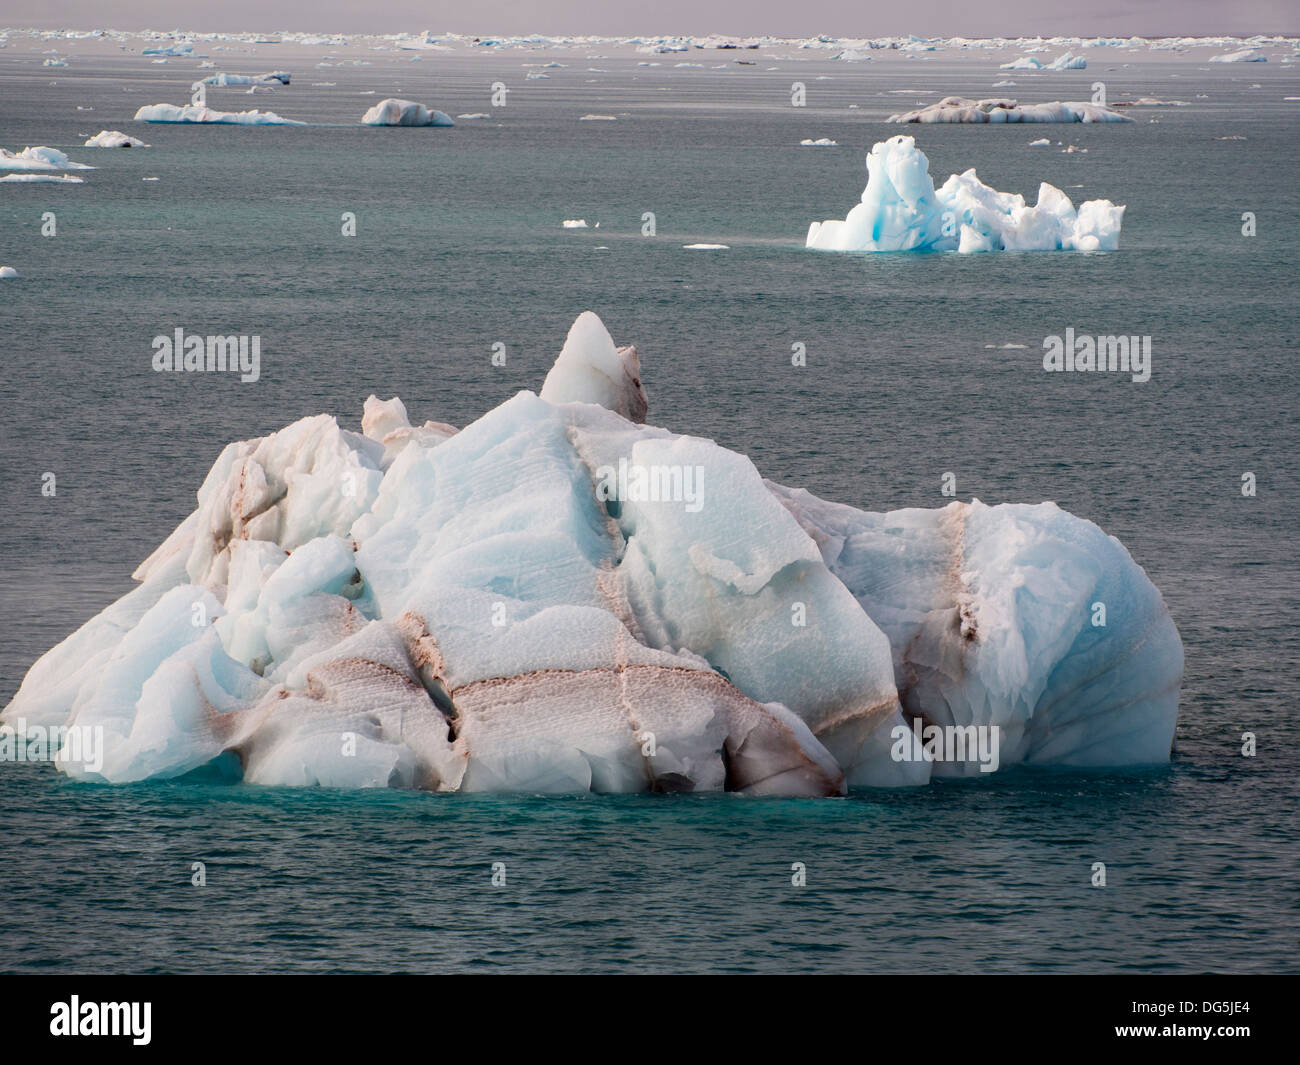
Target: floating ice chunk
x=823, y=142
x=180, y=48
x=902, y=211
x=39, y=160
x=598, y=118
x=590, y=369
x=280, y=77
x=1245, y=55
x=193, y=113
x=999, y=109
x=557, y=598
x=1067, y=61
x=393, y=112
x=574, y=223
x=112, y=138
x=706, y=247
x=8, y=271
x=475, y=115
x=53, y=179
x=1023, y=63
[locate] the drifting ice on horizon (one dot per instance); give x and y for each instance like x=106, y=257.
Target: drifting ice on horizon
x=902, y=211
x=502, y=608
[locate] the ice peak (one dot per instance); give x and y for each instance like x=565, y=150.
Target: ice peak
x=590, y=369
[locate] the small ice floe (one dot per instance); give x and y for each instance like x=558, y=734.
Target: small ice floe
x=55, y=61
x=1072, y=149
x=53, y=179
x=112, y=138
x=208, y=116
x=149, y=179
x=706, y=247
x=222, y=80
x=180, y=48
x=1245, y=55
x=1040, y=143
x=960, y=109
x=8, y=271
x=598, y=118
x=1003, y=84
x=39, y=160
x=475, y=115
x=404, y=113
x=574, y=223
x=822, y=142
x=532, y=75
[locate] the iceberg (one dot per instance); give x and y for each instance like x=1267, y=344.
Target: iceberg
x=280, y=77
x=404, y=113
x=40, y=160
x=193, y=113
x=1245, y=55
x=112, y=138
x=902, y=211
x=561, y=598
x=181, y=48
x=1067, y=61
x=997, y=109
x=8, y=271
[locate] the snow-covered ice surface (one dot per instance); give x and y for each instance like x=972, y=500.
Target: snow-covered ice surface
x=197, y=114
x=394, y=112
x=1000, y=109
x=559, y=598
x=902, y=211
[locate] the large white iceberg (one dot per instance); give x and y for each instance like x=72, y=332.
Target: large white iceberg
x=902, y=211
x=394, y=112
x=557, y=598
x=194, y=113
x=998, y=109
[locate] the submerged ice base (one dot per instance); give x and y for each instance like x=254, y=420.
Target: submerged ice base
x=902, y=211
x=558, y=598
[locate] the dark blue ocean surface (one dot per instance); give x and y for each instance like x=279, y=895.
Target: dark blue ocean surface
x=917, y=365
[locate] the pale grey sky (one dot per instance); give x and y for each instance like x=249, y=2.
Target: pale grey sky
x=843, y=18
